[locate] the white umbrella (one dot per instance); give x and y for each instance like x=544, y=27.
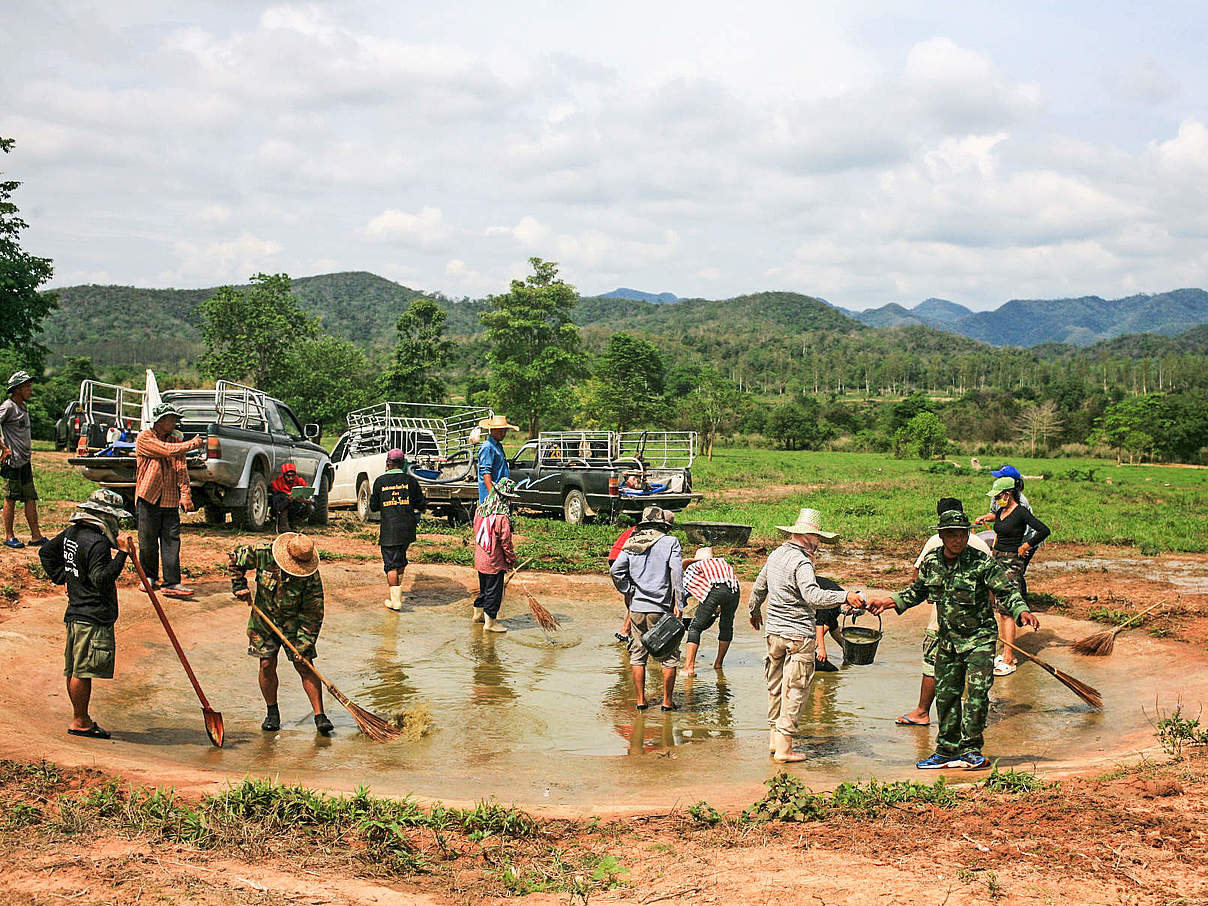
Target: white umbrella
x=150, y=400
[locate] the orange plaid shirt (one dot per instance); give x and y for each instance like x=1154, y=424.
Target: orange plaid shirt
x=163, y=474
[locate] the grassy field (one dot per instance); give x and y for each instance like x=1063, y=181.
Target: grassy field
x=871, y=499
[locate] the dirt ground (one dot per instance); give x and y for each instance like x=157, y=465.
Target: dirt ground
x=1137, y=835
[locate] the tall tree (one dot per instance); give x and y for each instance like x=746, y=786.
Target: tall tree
x=713, y=404
x=534, y=349
x=1040, y=423
x=22, y=307
x=328, y=378
x=420, y=350
x=251, y=335
x=628, y=385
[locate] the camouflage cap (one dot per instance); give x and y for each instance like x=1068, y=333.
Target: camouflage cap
x=163, y=410
x=17, y=379
x=952, y=519
x=105, y=502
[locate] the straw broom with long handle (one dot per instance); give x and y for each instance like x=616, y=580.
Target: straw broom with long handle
x=1101, y=643
x=1088, y=694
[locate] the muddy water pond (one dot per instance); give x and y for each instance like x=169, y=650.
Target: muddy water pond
x=548, y=721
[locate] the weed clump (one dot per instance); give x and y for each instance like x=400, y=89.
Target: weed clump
x=788, y=799
x=1176, y=732
x=1013, y=781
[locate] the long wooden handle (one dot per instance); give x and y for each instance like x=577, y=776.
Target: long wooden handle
x=163, y=618
x=1031, y=657
x=516, y=569
x=1137, y=616
x=290, y=645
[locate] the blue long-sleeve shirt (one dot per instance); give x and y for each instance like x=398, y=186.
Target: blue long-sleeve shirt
x=653, y=577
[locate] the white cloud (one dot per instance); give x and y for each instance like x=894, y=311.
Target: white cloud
x=427, y=228
x=224, y=261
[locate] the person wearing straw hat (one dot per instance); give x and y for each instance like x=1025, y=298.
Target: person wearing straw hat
x=290, y=592
x=649, y=574
x=711, y=582
x=790, y=587
x=79, y=557
x=492, y=461
x=959, y=581
x=493, y=553
x=400, y=500
x=16, y=461
x=161, y=490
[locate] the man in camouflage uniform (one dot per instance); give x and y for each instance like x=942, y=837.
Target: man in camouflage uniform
x=290, y=592
x=959, y=580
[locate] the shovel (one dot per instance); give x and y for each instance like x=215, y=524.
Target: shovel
x=213, y=718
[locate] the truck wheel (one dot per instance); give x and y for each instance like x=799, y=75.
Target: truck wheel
x=574, y=508
x=215, y=515
x=253, y=515
x=318, y=513
x=363, y=490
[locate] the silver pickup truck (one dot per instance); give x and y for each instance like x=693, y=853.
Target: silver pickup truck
x=249, y=436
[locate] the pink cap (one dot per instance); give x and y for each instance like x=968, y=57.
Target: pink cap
x=396, y=455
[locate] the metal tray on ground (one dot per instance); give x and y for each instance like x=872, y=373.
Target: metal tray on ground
x=733, y=533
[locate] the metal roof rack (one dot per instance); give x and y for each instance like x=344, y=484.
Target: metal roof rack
x=241, y=406
x=413, y=428
x=102, y=403
x=658, y=449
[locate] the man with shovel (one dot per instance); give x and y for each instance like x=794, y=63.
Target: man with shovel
x=959, y=580
x=79, y=557
x=290, y=592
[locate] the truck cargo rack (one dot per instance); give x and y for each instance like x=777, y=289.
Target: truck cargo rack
x=605, y=449
x=240, y=406
x=376, y=429
x=107, y=405
x=658, y=449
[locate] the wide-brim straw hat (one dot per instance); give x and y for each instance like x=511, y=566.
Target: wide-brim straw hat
x=702, y=553
x=497, y=421
x=295, y=553
x=809, y=522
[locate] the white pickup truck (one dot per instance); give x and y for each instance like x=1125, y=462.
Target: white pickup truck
x=436, y=439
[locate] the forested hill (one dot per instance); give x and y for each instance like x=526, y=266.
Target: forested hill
x=1032, y=322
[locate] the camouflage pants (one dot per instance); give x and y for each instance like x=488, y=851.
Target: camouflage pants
x=962, y=724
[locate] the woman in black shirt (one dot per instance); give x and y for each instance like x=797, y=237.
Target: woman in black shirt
x=1011, y=521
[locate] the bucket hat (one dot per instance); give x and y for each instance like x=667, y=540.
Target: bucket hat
x=1000, y=485
x=702, y=553
x=163, y=410
x=105, y=502
x=655, y=517
x=1007, y=472
x=809, y=522
x=295, y=554
x=497, y=421
x=505, y=487
x=17, y=379
x=952, y=519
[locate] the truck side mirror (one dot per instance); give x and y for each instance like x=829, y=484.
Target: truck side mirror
x=313, y=432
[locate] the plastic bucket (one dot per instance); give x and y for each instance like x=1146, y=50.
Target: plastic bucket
x=859, y=642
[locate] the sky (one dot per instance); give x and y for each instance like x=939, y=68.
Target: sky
x=863, y=153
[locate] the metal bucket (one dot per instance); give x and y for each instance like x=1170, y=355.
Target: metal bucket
x=859, y=642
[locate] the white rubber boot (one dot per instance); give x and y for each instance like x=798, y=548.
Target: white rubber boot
x=490, y=624
x=395, y=601
x=784, y=753
x=479, y=615
x=772, y=734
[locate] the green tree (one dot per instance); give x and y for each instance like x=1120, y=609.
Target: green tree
x=420, y=350
x=923, y=436
x=327, y=378
x=628, y=386
x=714, y=404
x=1131, y=424
x=798, y=425
x=252, y=335
x=22, y=307
x=534, y=344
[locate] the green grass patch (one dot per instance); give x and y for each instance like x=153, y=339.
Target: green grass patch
x=1013, y=781
x=788, y=799
x=1112, y=616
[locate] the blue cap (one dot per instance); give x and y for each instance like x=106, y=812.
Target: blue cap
x=1008, y=472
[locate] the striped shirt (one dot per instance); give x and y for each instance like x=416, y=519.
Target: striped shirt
x=787, y=582
x=163, y=475
x=702, y=575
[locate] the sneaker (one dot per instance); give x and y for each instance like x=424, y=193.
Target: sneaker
x=1002, y=668
x=938, y=762
x=825, y=666
x=14, y=543
x=178, y=591
x=39, y=542
x=324, y=725
x=272, y=721
x=973, y=761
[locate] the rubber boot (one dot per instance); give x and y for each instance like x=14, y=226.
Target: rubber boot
x=395, y=600
x=324, y=725
x=490, y=624
x=479, y=615
x=272, y=720
x=283, y=521
x=784, y=753
x=772, y=741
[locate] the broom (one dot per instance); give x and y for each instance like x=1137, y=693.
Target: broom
x=371, y=725
x=506, y=581
x=1101, y=643
x=544, y=618
x=1088, y=694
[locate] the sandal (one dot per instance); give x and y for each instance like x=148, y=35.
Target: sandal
x=669, y=707
x=642, y=707
x=93, y=732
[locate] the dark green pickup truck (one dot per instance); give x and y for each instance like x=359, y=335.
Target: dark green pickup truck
x=606, y=474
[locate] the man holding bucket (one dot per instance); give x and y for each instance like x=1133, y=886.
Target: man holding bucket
x=788, y=583
x=959, y=581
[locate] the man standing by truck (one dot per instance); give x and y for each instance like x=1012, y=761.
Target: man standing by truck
x=161, y=491
x=398, y=497
x=16, y=451
x=492, y=461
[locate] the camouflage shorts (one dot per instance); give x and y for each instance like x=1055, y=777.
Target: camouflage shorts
x=263, y=643
x=931, y=642
x=1014, y=566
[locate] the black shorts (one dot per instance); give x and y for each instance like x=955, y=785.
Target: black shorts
x=394, y=556
x=828, y=618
